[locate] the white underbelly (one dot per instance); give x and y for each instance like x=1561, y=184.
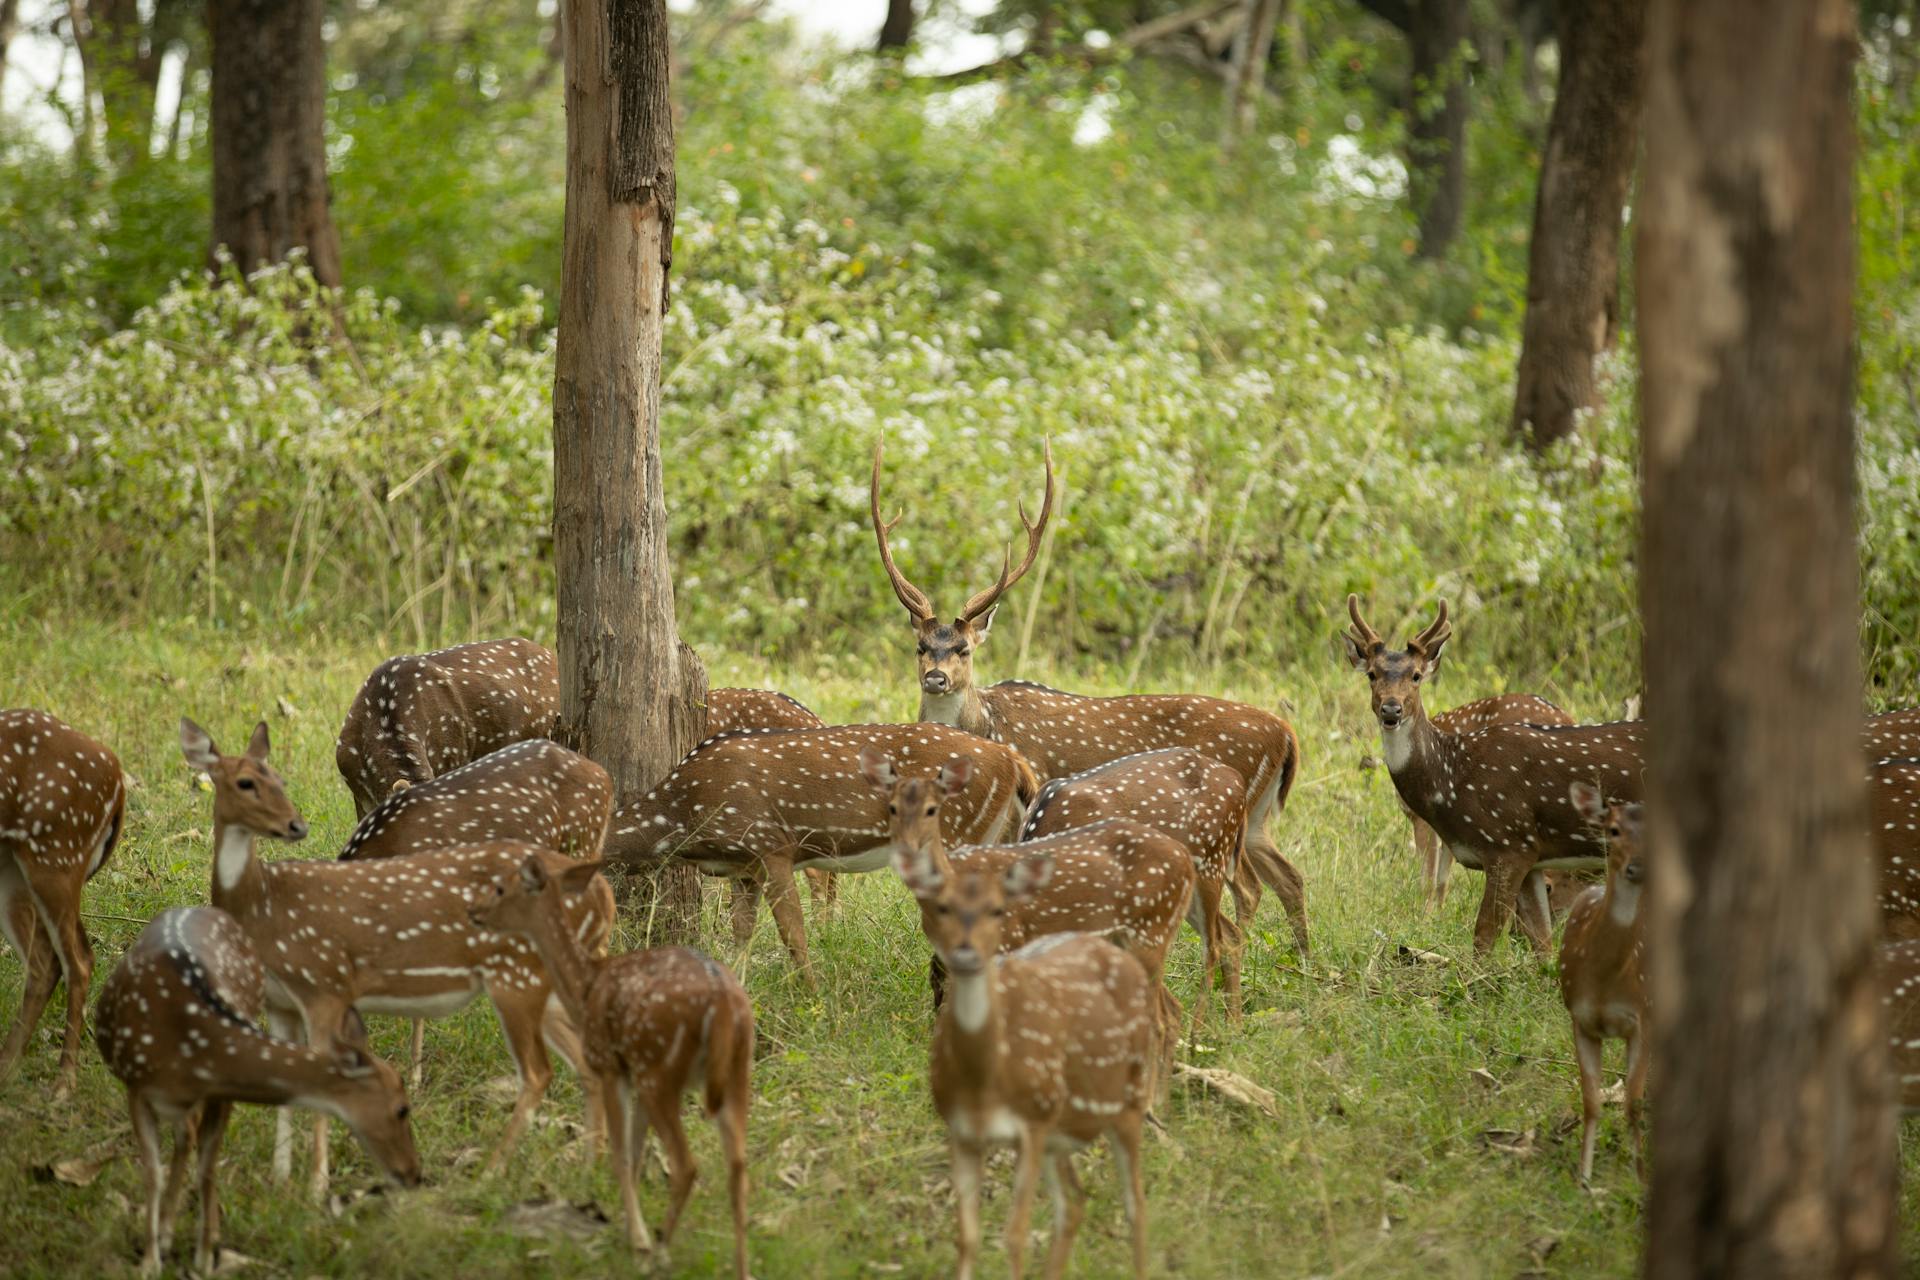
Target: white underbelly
x=876, y=859
x=995, y=1124
x=1595, y=862
x=439, y=1004
x=1465, y=856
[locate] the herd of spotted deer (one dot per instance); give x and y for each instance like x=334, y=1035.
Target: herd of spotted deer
x=475, y=866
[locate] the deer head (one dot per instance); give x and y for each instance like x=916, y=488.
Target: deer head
x=1395, y=675
x=913, y=804
x=525, y=902
x=963, y=911
x=1622, y=823
x=248, y=793
x=946, y=648
x=370, y=1099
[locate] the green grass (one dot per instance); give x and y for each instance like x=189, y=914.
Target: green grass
x=1377, y=1165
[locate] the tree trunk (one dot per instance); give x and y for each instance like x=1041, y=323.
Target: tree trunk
x=1437, y=122
x=269, y=134
x=897, y=31
x=631, y=696
x=1775, y=1151
x=123, y=54
x=1573, y=263
x=9, y=28
x=1247, y=82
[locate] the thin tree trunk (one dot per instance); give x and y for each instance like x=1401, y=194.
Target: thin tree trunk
x=269, y=134
x=124, y=53
x=1573, y=263
x=1247, y=82
x=1437, y=122
x=631, y=695
x=9, y=28
x=1775, y=1153
x=897, y=31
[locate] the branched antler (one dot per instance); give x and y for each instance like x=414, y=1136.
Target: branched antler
x=985, y=600
x=912, y=597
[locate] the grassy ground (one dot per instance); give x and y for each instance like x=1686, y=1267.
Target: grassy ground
x=1428, y=1112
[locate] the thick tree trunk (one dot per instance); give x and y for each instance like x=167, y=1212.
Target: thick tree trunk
x=631, y=696
x=897, y=31
x=1437, y=122
x=1775, y=1147
x=1573, y=264
x=1247, y=81
x=269, y=134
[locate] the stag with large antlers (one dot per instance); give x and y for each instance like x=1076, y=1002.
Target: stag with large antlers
x=1499, y=797
x=1062, y=734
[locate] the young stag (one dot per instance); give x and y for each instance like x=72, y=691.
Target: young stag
x=1603, y=965
x=1062, y=734
x=384, y=936
x=1498, y=796
x=535, y=791
x=62, y=803
x=1900, y=1000
x=419, y=715
x=756, y=804
x=176, y=1024
x=1196, y=800
x=1048, y=1048
x=655, y=1024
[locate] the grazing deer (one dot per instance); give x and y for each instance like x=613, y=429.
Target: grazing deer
x=756, y=804
x=1111, y=876
x=62, y=805
x=389, y=935
x=730, y=709
x=1900, y=1002
x=1049, y=1048
x=1603, y=969
x=1062, y=734
x=419, y=715
x=1504, y=708
x=654, y=1024
x=1199, y=802
x=535, y=791
x=1497, y=796
x=1893, y=797
x=176, y=1024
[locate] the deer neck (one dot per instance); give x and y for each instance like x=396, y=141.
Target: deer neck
x=1414, y=750
x=1622, y=905
x=570, y=967
x=973, y=1028
x=962, y=710
x=235, y=869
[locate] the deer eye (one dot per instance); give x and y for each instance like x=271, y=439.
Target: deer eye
x=923, y=649
x=1416, y=677
x=930, y=811
x=999, y=912
x=1373, y=675
x=403, y=1112
x=892, y=810
x=245, y=784
x=943, y=909
x=962, y=652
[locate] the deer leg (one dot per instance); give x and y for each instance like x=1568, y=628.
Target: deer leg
x=324, y=1017
x=1426, y=843
x=664, y=1104
x=280, y=1026
x=1586, y=1051
x=1125, y=1141
x=617, y=1139
x=732, y=1120
x=522, y=1015
x=213, y=1128
x=1496, y=903
x=1203, y=913
x=1026, y=1180
x=30, y=939
x=185, y=1130
x=824, y=888
x=784, y=897
x=146, y=1137
x=1535, y=917
x=51, y=888
x=560, y=1033
x=744, y=908
x=1442, y=871
x=1637, y=1061
x=967, y=1159
x=418, y=1061
x=1284, y=879
x=1069, y=1207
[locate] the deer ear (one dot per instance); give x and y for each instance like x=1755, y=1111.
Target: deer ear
x=351, y=1060
x=1587, y=801
x=954, y=775
x=197, y=745
x=983, y=624
x=533, y=876
x=258, y=746
x=578, y=878
x=1356, y=656
x=920, y=873
x=353, y=1029
x=1026, y=877
x=877, y=770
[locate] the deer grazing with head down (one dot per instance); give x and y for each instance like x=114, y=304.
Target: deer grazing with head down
x=654, y=1024
x=1062, y=734
x=1603, y=969
x=390, y=935
x=1499, y=796
x=421, y=714
x=176, y=1023
x=62, y=806
x=756, y=804
x=1199, y=802
x=1049, y=1048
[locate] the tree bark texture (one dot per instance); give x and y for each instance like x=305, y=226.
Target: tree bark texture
x=1247, y=81
x=896, y=32
x=1437, y=122
x=1774, y=1155
x=1573, y=262
x=269, y=134
x=632, y=697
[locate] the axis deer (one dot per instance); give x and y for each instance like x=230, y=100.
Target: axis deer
x=535, y=791
x=730, y=709
x=1499, y=796
x=1111, y=877
x=1196, y=800
x=419, y=715
x=1062, y=734
x=62, y=805
x=1049, y=1048
x=176, y=1024
x=757, y=803
x=389, y=935
x=655, y=1024
x=1900, y=1002
x=1603, y=970
x=1893, y=798
x=1436, y=864
x=1893, y=735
